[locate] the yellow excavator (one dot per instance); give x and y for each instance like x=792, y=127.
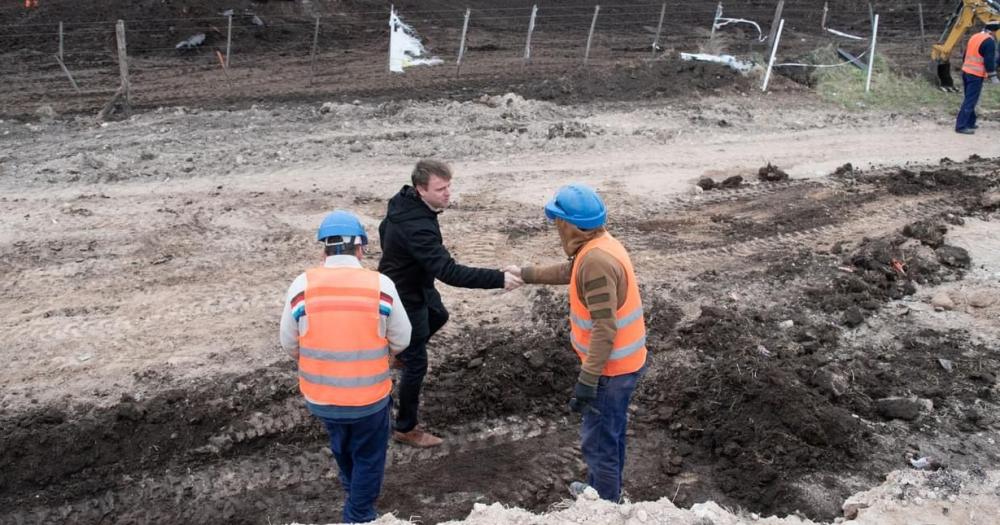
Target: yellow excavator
x=966, y=14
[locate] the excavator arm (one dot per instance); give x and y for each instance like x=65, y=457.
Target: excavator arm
x=966, y=14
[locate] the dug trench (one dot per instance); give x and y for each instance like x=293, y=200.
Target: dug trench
x=767, y=386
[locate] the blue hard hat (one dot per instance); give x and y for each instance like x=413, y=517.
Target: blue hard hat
x=341, y=223
x=578, y=205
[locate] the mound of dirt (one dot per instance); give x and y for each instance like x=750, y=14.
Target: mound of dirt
x=670, y=77
x=906, y=182
x=771, y=173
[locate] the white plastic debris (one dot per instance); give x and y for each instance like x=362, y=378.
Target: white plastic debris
x=192, y=41
x=920, y=463
x=405, y=49
x=727, y=60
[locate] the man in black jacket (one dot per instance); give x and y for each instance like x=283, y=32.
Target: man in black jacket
x=413, y=255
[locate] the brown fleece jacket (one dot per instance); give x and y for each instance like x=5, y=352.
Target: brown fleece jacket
x=601, y=282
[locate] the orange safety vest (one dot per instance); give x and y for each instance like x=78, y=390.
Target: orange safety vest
x=974, y=63
x=343, y=360
x=629, y=351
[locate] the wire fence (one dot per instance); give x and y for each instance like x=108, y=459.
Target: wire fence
x=247, y=55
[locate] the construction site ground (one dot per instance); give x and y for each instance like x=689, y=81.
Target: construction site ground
x=824, y=317
x=145, y=262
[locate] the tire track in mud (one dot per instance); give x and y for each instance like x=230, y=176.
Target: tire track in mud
x=223, y=479
x=891, y=215
x=887, y=219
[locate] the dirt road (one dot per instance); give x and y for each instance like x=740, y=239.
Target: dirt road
x=145, y=261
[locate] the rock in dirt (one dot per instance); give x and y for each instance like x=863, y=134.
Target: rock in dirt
x=954, y=256
x=990, y=199
x=45, y=111
x=854, y=504
x=927, y=232
x=732, y=182
x=771, y=173
x=328, y=107
x=853, y=317
x=982, y=299
x=922, y=264
x=846, y=169
x=905, y=408
x=706, y=183
x=830, y=383
x=943, y=300
x=572, y=130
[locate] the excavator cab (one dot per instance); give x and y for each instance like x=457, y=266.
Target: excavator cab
x=965, y=16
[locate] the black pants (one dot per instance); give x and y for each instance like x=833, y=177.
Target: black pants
x=414, y=360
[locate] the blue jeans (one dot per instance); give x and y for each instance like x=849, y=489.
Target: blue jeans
x=359, y=446
x=967, y=115
x=602, y=435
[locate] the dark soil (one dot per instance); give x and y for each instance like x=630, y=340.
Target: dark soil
x=273, y=63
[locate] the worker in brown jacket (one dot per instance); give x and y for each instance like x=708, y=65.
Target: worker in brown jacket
x=608, y=330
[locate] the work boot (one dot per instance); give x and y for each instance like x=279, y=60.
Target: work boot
x=966, y=131
x=578, y=488
x=417, y=438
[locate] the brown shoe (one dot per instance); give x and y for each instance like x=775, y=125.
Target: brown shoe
x=417, y=438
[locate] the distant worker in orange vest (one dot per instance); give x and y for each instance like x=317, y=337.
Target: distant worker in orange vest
x=607, y=331
x=342, y=323
x=980, y=64
x=29, y=4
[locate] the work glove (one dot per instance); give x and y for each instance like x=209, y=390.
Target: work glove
x=583, y=399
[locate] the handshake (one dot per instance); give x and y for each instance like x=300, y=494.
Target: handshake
x=512, y=278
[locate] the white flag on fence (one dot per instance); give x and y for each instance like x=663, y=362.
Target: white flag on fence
x=405, y=49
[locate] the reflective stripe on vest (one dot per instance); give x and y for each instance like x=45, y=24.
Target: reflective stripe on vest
x=974, y=63
x=628, y=352
x=343, y=361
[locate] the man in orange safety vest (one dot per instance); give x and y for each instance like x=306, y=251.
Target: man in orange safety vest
x=980, y=63
x=342, y=322
x=607, y=331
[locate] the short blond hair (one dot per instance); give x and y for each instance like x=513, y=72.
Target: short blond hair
x=425, y=168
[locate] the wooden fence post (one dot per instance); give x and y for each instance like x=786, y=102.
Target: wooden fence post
x=229, y=39
x=312, y=58
x=68, y=74
x=123, y=63
x=461, y=44
x=920, y=11
x=659, y=28
x=590, y=36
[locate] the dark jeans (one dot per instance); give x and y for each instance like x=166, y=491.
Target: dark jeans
x=359, y=446
x=967, y=115
x=414, y=360
x=603, y=435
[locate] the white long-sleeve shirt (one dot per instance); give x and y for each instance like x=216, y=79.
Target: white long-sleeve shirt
x=394, y=324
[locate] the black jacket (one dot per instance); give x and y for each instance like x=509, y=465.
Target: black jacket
x=413, y=255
